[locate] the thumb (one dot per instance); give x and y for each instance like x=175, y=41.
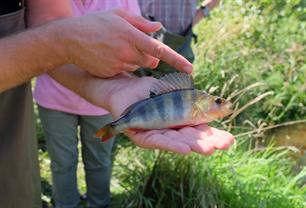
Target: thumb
x=139, y=22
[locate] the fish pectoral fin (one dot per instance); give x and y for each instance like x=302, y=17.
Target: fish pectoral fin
x=171, y=82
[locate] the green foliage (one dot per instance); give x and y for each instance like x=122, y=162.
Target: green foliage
x=259, y=41
x=241, y=177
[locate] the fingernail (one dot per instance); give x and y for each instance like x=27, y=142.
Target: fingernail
x=155, y=63
x=188, y=69
x=157, y=24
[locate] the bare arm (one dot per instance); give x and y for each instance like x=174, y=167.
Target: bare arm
x=27, y=54
x=36, y=51
x=210, y=4
x=40, y=12
x=104, y=44
x=83, y=84
x=79, y=81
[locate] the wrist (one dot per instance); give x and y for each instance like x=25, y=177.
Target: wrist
x=50, y=47
x=123, y=91
x=59, y=41
x=101, y=92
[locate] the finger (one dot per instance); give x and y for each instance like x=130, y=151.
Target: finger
x=204, y=128
x=130, y=67
x=160, y=51
x=154, y=140
x=154, y=61
x=127, y=74
x=221, y=139
x=139, y=22
x=167, y=143
x=132, y=132
x=143, y=60
x=197, y=140
x=186, y=139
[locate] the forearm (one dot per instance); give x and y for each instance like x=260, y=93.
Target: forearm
x=40, y=12
x=113, y=94
x=84, y=84
x=28, y=54
x=210, y=4
x=35, y=51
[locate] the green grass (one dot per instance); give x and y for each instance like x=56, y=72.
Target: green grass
x=254, y=42
x=241, y=177
x=255, y=53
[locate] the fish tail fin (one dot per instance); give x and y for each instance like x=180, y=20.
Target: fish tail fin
x=105, y=133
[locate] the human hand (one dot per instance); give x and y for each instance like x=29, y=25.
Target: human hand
x=210, y=4
x=108, y=43
x=201, y=138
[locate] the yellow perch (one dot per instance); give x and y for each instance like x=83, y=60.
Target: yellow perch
x=173, y=103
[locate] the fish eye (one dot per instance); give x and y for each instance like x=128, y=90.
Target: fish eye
x=218, y=101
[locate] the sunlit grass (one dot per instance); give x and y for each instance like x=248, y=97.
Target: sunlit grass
x=240, y=177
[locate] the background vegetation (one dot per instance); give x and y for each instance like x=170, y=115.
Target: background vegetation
x=252, y=52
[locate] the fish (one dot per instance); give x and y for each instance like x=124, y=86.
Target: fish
x=174, y=103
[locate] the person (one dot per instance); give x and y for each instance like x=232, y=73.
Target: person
x=178, y=19
x=61, y=112
x=35, y=51
x=38, y=50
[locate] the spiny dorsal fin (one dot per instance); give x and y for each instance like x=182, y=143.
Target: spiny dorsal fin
x=171, y=82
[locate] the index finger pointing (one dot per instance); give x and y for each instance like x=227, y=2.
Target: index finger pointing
x=161, y=51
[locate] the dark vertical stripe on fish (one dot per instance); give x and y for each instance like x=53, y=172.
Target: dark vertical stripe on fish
x=160, y=107
x=188, y=101
x=143, y=111
x=178, y=103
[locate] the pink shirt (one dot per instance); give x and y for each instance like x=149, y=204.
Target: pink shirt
x=49, y=93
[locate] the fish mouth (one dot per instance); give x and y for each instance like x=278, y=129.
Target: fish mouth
x=229, y=106
x=227, y=110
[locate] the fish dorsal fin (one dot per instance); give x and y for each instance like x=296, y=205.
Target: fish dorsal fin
x=171, y=82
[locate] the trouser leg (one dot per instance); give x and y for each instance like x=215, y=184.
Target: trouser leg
x=97, y=160
x=61, y=137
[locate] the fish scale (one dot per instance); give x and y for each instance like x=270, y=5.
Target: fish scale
x=165, y=109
